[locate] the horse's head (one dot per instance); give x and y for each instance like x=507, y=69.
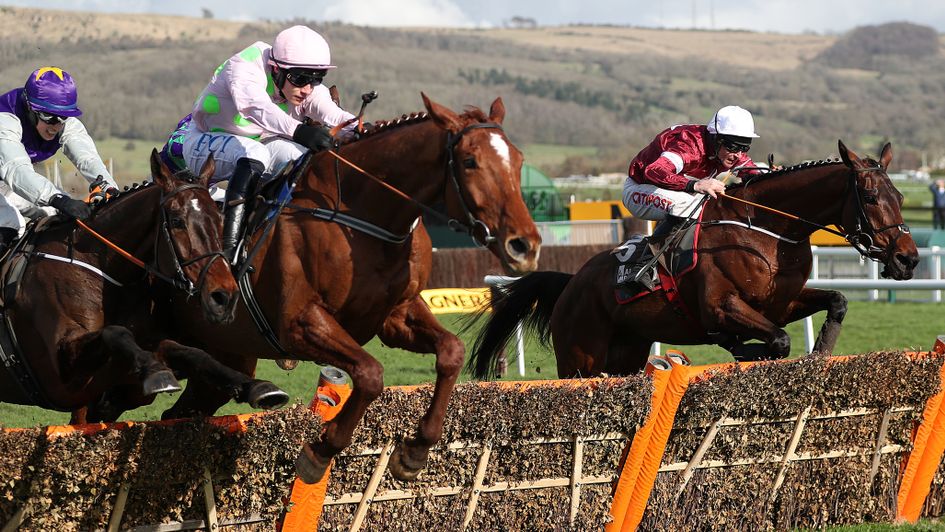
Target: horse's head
x=484, y=184
x=191, y=231
x=872, y=215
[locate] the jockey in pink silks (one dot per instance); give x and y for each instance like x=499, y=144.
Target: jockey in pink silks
x=251, y=118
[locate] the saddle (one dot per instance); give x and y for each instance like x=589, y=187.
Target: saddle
x=675, y=262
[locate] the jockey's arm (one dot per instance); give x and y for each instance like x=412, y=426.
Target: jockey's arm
x=666, y=172
x=320, y=107
x=15, y=166
x=248, y=90
x=80, y=149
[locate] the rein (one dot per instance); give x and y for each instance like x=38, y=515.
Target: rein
x=472, y=222
x=180, y=280
x=861, y=240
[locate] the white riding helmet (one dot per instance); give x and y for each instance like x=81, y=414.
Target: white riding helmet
x=733, y=120
x=301, y=47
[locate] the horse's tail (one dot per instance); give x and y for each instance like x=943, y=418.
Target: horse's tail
x=528, y=301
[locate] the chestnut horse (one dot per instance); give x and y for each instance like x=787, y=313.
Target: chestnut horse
x=748, y=282
x=81, y=309
x=346, y=260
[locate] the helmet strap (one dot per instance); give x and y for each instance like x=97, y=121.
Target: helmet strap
x=278, y=77
x=30, y=113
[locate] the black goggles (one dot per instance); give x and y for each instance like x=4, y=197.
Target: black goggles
x=49, y=118
x=734, y=147
x=301, y=77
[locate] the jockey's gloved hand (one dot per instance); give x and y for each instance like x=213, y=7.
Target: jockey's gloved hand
x=315, y=138
x=73, y=208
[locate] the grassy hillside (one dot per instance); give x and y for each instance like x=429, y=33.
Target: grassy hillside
x=608, y=88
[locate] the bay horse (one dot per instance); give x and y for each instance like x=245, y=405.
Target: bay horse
x=81, y=310
x=346, y=260
x=747, y=284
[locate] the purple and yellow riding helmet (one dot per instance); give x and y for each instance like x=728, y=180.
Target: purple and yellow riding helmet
x=52, y=90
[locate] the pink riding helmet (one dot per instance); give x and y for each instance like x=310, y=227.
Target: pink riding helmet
x=301, y=47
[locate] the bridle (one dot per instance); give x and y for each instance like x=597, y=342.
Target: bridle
x=864, y=234
x=469, y=226
x=179, y=279
x=473, y=222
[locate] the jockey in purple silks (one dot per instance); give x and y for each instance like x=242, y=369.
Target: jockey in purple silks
x=251, y=118
x=35, y=122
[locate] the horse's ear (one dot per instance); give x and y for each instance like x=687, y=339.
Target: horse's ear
x=497, y=111
x=847, y=155
x=206, y=171
x=159, y=172
x=886, y=156
x=442, y=116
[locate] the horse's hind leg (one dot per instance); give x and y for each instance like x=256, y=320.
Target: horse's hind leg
x=196, y=363
x=413, y=327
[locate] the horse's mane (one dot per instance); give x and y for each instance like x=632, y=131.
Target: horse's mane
x=127, y=191
x=807, y=165
x=122, y=194
x=474, y=114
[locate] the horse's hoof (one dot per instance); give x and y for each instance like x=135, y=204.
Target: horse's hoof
x=287, y=364
x=265, y=395
x=309, y=466
x=404, y=468
x=162, y=381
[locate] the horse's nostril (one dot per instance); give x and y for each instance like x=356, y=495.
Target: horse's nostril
x=517, y=246
x=908, y=261
x=220, y=297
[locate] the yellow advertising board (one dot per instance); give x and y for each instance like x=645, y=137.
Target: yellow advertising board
x=596, y=210
x=456, y=300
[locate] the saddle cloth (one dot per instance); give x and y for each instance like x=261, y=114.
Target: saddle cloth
x=677, y=261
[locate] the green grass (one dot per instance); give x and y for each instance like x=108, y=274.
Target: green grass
x=550, y=155
x=868, y=327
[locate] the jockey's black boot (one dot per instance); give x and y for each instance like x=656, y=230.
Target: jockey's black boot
x=642, y=273
x=7, y=236
x=244, y=179
x=665, y=228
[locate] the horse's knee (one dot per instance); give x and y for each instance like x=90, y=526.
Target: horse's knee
x=449, y=360
x=837, y=310
x=781, y=345
x=367, y=378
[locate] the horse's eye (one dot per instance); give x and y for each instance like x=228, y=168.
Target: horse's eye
x=177, y=222
x=470, y=163
x=870, y=199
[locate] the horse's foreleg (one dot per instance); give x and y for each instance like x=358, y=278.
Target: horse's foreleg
x=111, y=355
x=413, y=327
x=196, y=363
x=202, y=396
x=315, y=335
x=730, y=314
x=813, y=300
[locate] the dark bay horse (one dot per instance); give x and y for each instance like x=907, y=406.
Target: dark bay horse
x=746, y=285
x=346, y=260
x=81, y=310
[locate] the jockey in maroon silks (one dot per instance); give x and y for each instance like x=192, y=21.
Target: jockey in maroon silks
x=668, y=180
x=37, y=120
